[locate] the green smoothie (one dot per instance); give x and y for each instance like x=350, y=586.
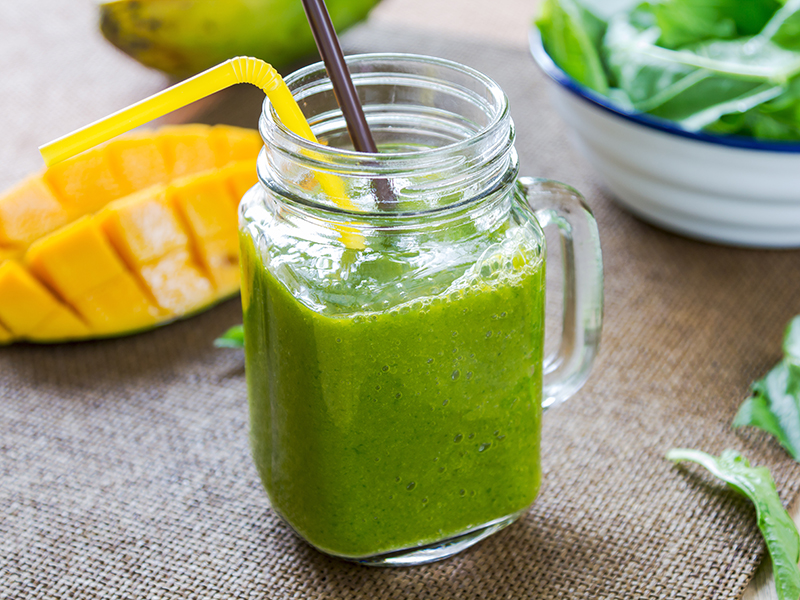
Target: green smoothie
x=384, y=424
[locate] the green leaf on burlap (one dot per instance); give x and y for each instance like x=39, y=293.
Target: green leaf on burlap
x=233, y=338
x=777, y=527
x=775, y=403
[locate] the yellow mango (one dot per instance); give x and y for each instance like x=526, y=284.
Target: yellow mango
x=6, y=337
x=138, y=162
x=118, y=306
x=85, y=185
x=177, y=284
x=29, y=311
x=25, y=302
x=75, y=259
x=235, y=145
x=28, y=211
x=220, y=257
x=7, y=253
x=124, y=237
x=240, y=177
x=143, y=226
x=206, y=205
x=62, y=324
x=189, y=149
x=147, y=233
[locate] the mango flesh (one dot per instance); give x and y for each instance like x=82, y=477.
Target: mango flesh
x=126, y=236
x=117, y=306
x=75, y=259
x=28, y=209
x=60, y=324
x=176, y=283
x=6, y=337
x=143, y=226
x=25, y=302
x=205, y=204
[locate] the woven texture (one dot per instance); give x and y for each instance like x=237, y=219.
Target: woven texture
x=124, y=464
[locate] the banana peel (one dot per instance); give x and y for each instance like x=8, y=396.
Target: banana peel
x=184, y=37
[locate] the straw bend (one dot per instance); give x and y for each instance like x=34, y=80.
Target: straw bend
x=255, y=71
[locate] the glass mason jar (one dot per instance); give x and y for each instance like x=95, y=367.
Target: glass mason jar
x=394, y=313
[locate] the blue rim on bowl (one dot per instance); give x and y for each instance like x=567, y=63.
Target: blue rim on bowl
x=559, y=76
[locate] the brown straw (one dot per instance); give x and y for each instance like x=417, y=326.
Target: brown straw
x=343, y=88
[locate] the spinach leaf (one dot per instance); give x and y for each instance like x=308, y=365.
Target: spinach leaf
x=775, y=404
x=784, y=27
x=571, y=36
x=777, y=527
x=776, y=119
x=791, y=342
x=684, y=22
x=696, y=85
x=605, y=9
x=233, y=338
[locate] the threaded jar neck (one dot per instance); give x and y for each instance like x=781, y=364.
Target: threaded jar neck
x=444, y=131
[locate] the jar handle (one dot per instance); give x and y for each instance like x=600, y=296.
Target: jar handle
x=567, y=368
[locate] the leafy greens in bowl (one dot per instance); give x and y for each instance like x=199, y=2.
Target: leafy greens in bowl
x=722, y=66
x=717, y=154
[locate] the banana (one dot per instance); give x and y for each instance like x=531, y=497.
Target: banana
x=184, y=37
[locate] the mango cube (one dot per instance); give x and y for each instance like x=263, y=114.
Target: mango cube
x=59, y=325
x=28, y=211
x=85, y=183
x=206, y=205
x=117, y=306
x=176, y=283
x=240, y=177
x=24, y=301
x=220, y=257
x=188, y=149
x=124, y=236
x=75, y=259
x=9, y=253
x=6, y=336
x=138, y=161
x=235, y=144
x=143, y=226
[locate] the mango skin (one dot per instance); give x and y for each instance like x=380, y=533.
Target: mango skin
x=128, y=259
x=182, y=38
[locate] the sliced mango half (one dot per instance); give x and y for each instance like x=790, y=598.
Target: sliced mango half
x=6, y=337
x=126, y=236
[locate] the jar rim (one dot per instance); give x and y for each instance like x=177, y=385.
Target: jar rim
x=347, y=157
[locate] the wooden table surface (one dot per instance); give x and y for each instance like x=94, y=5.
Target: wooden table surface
x=506, y=23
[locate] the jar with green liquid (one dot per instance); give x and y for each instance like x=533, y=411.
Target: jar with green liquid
x=394, y=335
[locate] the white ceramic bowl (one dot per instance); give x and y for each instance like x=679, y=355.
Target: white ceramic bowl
x=733, y=190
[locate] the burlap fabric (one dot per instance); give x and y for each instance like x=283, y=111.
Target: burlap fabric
x=125, y=469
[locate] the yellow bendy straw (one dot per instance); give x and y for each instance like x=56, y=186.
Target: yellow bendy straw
x=242, y=69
